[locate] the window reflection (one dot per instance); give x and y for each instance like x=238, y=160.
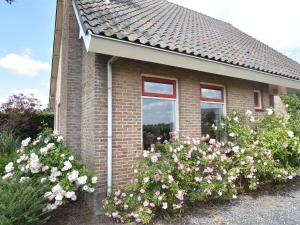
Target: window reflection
x=155, y=87
x=211, y=114
x=158, y=120
x=211, y=93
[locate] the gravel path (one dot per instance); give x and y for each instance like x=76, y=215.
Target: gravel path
x=265, y=207
x=271, y=206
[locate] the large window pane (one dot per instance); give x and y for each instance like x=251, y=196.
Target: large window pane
x=158, y=120
x=211, y=114
x=159, y=88
x=211, y=93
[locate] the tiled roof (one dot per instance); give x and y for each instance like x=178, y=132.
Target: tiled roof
x=162, y=24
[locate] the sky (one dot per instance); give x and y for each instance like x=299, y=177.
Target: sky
x=28, y=25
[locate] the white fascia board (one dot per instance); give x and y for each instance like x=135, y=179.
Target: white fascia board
x=109, y=46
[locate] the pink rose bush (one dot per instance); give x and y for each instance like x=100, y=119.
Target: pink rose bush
x=47, y=161
x=172, y=175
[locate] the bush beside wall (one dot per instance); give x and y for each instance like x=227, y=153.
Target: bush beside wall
x=25, y=125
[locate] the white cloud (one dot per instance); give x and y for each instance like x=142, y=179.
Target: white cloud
x=23, y=64
x=30, y=91
x=274, y=22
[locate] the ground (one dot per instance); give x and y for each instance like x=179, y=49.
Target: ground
x=272, y=205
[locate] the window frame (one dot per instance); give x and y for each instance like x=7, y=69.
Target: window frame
x=259, y=106
x=155, y=79
x=176, y=99
x=213, y=87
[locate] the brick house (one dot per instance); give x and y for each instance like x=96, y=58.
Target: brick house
x=125, y=72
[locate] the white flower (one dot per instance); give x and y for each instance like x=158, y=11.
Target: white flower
x=212, y=141
x=69, y=194
x=60, y=138
x=24, y=157
x=171, y=179
x=154, y=158
x=43, y=180
x=85, y=188
x=235, y=149
x=252, y=119
x=54, y=173
x=269, y=111
x=67, y=166
x=145, y=154
x=290, y=134
x=46, y=141
x=44, y=150
x=248, y=112
x=34, y=163
x=6, y=176
x=234, y=196
x=26, y=142
x=82, y=180
x=71, y=158
x=59, y=197
x=232, y=134
x=23, y=179
x=9, y=167
x=146, y=180
x=236, y=119
x=45, y=168
x=47, y=194
x=94, y=180
x=35, y=142
x=198, y=179
x=56, y=189
x=73, y=176
x=165, y=205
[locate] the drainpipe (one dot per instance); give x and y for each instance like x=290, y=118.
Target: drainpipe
x=109, y=123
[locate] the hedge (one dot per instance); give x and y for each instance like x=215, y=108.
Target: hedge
x=26, y=125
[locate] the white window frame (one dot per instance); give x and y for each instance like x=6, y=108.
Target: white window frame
x=259, y=99
x=170, y=99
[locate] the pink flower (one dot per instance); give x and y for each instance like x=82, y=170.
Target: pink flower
x=212, y=141
x=164, y=186
x=146, y=203
x=125, y=207
x=171, y=179
x=157, y=193
x=179, y=195
x=142, y=191
x=118, y=193
x=208, y=170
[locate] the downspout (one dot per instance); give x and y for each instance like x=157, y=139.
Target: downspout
x=109, y=123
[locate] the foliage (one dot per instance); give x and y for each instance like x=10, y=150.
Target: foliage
x=292, y=103
x=8, y=147
x=21, y=203
x=21, y=104
x=171, y=175
x=47, y=161
x=8, y=143
x=25, y=125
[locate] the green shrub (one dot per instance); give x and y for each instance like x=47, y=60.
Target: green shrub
x=171, y=175
x=8, y=143
x=47, y=161
x=25, y=125
x=21, y=203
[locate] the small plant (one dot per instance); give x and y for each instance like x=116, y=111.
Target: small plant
x=47, y=161
x=8, y=143
x=21, y=203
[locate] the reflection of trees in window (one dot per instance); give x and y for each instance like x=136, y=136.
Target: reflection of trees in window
x=153, y=131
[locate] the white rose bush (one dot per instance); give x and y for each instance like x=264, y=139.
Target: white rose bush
x=174, y=174
x=47, y=161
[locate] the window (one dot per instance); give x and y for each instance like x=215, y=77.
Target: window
x=159, y=107
x=257, y=99
x=212, y=108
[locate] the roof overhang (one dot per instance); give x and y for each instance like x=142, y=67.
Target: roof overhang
x=56, y=51
x=126, y=49
x=110, y=46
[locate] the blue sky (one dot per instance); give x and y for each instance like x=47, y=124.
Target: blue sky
x=26, y=47
x=28, y=25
